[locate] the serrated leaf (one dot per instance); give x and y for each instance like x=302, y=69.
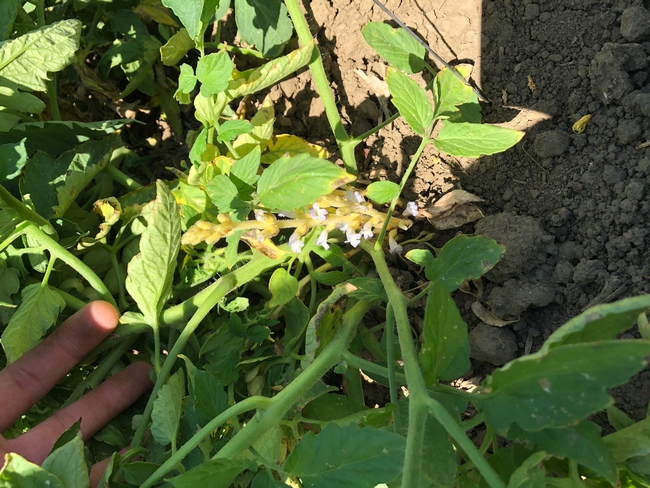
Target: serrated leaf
x=166, y=413
x=186, y=83
x=368, y=289
x=581, y=442
x=20, y=101
x=38, y=312
x=68, y=463
x=347, y=456
x=287, y=144
x=150, y=272
x=411, y=100
x=176, y=48
x=214, y=71
x=264, y=24
x=210, y=398
x=230, y=129
x=630, y=442
x=474, y=140
x=216, y=473
x=8, y=11
x=55, y=184
x=283, y=287
x=560, y=387
x=382, y=191
x=245, y=170
x=193, y=14
x=294, y=182
x=262, y=132
x=597, y=323
x=254, y=80
x=225, y=196
x=449, y=93
x=12, y=159
x=395, y=45
x=463, y=258
x=444, y=354
x=20, y=473
x=27, y=60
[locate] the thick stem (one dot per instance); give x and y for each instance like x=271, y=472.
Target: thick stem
x=323, y=88
x=24, y=212
x=390, y=353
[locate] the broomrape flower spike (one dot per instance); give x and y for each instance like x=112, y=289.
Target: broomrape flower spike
x=322, y=240
x=411, y=210
x=393, y=246
x=318, y=213
x=352, y=237
x=295, y=243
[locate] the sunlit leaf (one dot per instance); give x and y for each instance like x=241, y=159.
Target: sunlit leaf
x=20, y=101
x=186, y=83
x=395, y=45
x=20, y=473
x=264, y=24
x=12, y=159
x=283, y=286
x=449, y=92
x=216, y=473
x=474, y=140
x=382, y=191
x=213, y=71
x=176, y=48
x=286, y=144
x=411, y=100
x=233, y=128
x=68, y=463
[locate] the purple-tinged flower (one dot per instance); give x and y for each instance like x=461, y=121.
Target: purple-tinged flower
x=411, y=210
x=353, y=238
x=295, y=243
x=393, y=246
x=318, y=213
x=353, y=196
x=322, y=240
x=366, y=231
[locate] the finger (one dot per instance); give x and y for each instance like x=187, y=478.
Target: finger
x=27, y=380
x=95, y=410
x=97, y=470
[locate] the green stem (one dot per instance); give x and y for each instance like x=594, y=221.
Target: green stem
x=346, y=145
x=405, y=177
x=457, y=433
x=155, y=325
x=225, y=285
x=376, y=129
x=124, y=180
x=240, y=408
x=51, y=93
x=24, y=212
x=234, y=49
x=390, y=352
x=73, y=302
x=75, y=263
x=283, y=401
x=371, y=368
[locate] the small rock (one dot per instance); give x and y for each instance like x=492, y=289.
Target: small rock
x=644, y=166
x=531, y=12
x=514, y=297
x=563, y=272
x=634, y=190
x=545, y=17
x=609, y=81
x=612, y=174
x=494, y=345
x=551, y=143
x=635, y=23
x=567, y=250
x=641, y=104
x=556, y=58
x=627, y=131
x=588, y=270
x=507, y=195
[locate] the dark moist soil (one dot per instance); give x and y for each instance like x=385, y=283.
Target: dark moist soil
x=572, y=209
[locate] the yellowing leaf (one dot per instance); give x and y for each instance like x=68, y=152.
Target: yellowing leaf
x=262, y=130
x=287, y=144
x=156, y=12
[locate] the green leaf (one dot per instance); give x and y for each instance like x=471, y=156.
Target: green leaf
x=176, y=48
x=283, y=286
x=264, y=479
x=421, y=257
x=193, y=14
x=597, y=323
x=9, y=285
x=630, y=442
x=618, y=418
x=331, y=407
x=560, y=387
x=8, y=11
x=368, y=289
x=411, y=100
x=225, y=195
x=210, y=398
x=12, y=159
x=20, y=473
x=474, y=140
x=244, y=170
x=269, y=444
x=68, y=463
x=166, y=414
x=214, y=71
x=55, y=184
x=530, y=474
x=38, y=311
x=216, y=473
x=298, y=181
x=382, y=191
x=460, y=259
x=230, y=129
x=347, y=457
x=263, y=23
x=449, y=92
x=395, y=45
x=57, y=137
x=581, y=442
x=186, y=83
x=27, y=60
x=150, y=272
x=445, y=352
x=269, y=74
x=22, y=102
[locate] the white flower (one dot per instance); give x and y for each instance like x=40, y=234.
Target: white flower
x=288, y=215
x=366, y=231
x=259, y=215
x=353, y=196
x=411, y=210
x=343, y=226
x=318, y=213
x=322, y=240
x=393, y=246
x=353, y=238
x=295, y=242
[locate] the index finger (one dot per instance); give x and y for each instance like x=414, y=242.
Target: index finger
x=29, y=379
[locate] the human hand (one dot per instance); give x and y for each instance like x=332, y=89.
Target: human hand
x=32, y=376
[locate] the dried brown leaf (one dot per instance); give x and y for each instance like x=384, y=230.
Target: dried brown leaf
x=488, y=317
